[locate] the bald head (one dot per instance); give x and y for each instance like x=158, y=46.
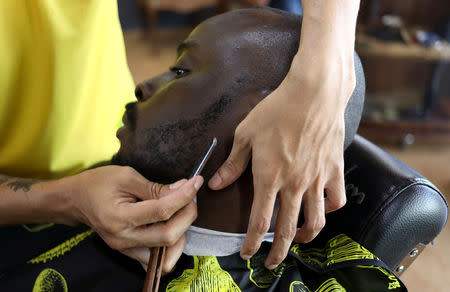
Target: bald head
x=263, y=40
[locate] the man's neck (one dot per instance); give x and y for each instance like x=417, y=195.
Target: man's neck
x=227, y=210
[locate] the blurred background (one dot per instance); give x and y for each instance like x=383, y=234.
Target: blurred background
x=405, y=51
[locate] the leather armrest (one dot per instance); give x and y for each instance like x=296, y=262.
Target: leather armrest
x=390, y=207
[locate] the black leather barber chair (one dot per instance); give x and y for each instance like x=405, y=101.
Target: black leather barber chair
x=391, y=209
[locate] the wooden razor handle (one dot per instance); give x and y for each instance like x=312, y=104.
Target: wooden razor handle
x=154, y=270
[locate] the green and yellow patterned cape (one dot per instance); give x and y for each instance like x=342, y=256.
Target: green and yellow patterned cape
x=59, y=258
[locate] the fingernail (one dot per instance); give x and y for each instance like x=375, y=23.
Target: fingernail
x=177, y=184
x=246, y=257
x=271, y=267
x=198, y=183
x=215, y=181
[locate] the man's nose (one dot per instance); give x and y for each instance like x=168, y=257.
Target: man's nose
x=144, y=91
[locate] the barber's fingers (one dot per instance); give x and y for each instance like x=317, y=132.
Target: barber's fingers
x=260, y=217
x=152, y=211
x=335, y=190
x=314, y=212
x=235, y=164
x=164, y=233
x=173, y=253
x=141, y=254
x=285, y=228
x=134, y=183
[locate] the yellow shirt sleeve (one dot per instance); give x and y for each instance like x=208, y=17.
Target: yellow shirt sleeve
x=64, y=81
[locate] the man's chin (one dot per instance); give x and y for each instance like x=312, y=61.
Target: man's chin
x=120, y=132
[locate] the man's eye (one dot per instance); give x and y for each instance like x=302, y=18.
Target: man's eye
x=179, y=72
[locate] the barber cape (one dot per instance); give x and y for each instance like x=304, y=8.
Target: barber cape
x=60, y=258
x=340, y=265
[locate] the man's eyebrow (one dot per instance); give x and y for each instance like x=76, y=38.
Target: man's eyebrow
x=184, y=46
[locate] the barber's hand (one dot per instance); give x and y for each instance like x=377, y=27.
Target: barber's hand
x=128, y=211
x=173, y=253
x=295, y=137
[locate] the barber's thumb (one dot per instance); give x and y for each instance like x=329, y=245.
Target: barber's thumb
x=158, y=190
x=231, y=169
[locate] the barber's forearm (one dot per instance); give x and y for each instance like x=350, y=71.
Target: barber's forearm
x=329, y=22
x=327, y=36
x=33, y=201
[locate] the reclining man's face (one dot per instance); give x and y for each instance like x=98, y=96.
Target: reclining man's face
x=205, y=94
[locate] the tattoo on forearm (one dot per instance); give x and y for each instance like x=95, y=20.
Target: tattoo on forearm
x=16, y=184
x=24, y=184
